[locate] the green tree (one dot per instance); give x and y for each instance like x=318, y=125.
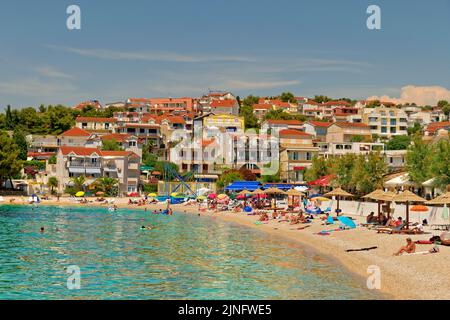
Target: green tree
x=440, y=164
x=319, y=167
x=78, y=183
x=368, y=173
x=250, y=120
x=52, y=183
x=107, y=185
x=20, y=140
x=357, y=138
x=52, y=159
x=418, y=159
x=415, y=129
x=442, y=103
x=278, y=115
x=9, y=122
x=287, y=97
x=250, y=100
x=10, y=164
x=342, y=168
x=111, y=145
x=398, y=143
x=228, y=177
x=321, y=98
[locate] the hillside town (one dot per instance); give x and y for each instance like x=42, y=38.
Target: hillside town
x=140, y=144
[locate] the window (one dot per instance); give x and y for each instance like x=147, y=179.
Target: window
x=393, y=122
x=383, y=130
x=383, y=121
x=393, y=130
x=142, y=130
x=308, y=156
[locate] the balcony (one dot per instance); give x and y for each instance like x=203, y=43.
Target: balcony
x=133, y=166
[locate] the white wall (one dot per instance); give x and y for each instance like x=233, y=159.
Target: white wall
x=434, y=215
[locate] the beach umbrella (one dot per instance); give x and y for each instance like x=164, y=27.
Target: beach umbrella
x=244, y=192
x=260, y=196
x=375, y=195
x=274, y=191
x=241, y=197
x=295, y=193
x=258, y=191
x=442, y=199
x=338, y=193
x=212, y=196
x=222, y=196
x=419, y=208
x=323, y=199
x=152, y=194
x=79, y=194
x=347, y=222
x=99, y=193
x=407, y=197
x=201, y=198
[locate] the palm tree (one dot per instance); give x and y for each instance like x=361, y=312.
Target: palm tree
x=107, y=185
x=78, y=183
x=52, y=183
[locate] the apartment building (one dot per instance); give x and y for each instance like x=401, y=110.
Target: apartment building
x=260, y=110
x=96, y=125
x=227, y=106
x=336, y=149
x=318, y=129
x=296, y=153
x=274, y=126
x=94, y=163
x=386, y=122
x=340, y=132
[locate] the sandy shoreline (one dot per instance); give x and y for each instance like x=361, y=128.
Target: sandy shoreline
x=403, y=277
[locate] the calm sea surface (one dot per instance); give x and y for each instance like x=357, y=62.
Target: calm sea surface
x=185, y=257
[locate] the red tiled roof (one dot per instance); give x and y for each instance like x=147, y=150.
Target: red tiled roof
x=292, y=132
x=223, y=103
x=94, y=104
x=320, y=124
x=94, y=119
x=81, y=151
x=174, y=119
x=336, y=103
x=76, y=132
x=119, y=137
x=435, y=126
x=351, y=124
x=292, y=122
x=262, y=106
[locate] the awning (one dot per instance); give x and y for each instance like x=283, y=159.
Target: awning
x=299, y=168
x=242, y=185
x=322, y=181
x=282, y=186
x=402, y=180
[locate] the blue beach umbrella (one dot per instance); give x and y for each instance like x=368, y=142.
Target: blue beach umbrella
x=347, y=222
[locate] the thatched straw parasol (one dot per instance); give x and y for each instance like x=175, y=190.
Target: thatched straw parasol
x=274, y=191
x=245, y=192
x=258, y=191
x=376, y=195
x=295, y=193
x=338, y=193
x=408, y=196
x=442, y=199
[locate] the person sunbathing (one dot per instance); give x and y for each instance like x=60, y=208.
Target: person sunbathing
x=409, y=248
x=371, y=218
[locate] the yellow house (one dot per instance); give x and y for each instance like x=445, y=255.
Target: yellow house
x=340, y=132
x=224, y=122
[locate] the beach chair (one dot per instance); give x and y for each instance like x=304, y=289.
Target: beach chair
x=391, y=230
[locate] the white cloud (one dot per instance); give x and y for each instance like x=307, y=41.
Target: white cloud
x=51, y=72
x=36, y=88
x=242, y=84
x=150, y=55
x=420, y=95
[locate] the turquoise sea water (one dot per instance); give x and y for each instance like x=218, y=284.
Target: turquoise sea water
x=185, y=257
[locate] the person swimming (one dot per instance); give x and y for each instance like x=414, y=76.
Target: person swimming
x=42, y=229
x=147, y=228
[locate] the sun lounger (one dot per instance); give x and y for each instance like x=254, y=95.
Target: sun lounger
x=391, y=230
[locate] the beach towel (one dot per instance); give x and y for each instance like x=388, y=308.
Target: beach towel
x=432, y=250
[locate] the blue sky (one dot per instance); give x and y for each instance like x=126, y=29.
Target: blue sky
x=183, y=48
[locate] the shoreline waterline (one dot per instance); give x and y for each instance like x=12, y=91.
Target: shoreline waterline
x=399, y=280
